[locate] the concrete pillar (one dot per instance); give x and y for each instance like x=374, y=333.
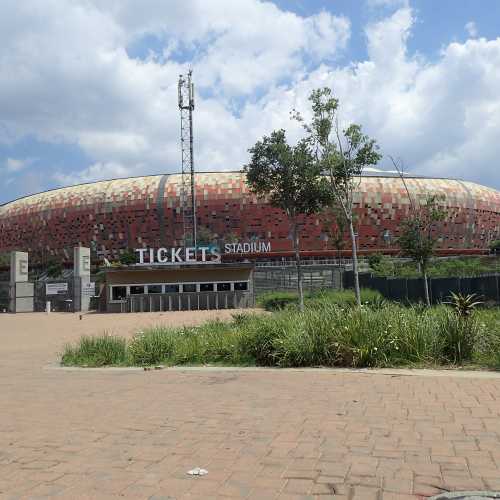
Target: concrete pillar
x=83, y=289
x=21, y=292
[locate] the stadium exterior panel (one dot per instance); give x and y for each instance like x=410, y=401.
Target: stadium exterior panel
x=111, y=216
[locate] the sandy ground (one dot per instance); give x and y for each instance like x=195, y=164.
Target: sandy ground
x=47, y=333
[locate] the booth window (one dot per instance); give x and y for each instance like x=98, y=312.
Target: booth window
x=241, y=285
x=118, y=292
x=136, y=289
x=171, y=288
x=154, y=288
x=223, y=287
x=190, y=287
x=206, y=287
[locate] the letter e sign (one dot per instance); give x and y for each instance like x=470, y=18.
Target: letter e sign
x=86, y=263
x=23, y=267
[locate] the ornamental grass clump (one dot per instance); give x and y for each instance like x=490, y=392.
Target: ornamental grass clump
x=151, y=347
x=324, y=334
x=96, y=351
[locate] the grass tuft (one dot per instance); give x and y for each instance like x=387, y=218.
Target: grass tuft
x=96, y=351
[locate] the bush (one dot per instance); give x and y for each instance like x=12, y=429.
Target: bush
x=495, y=247
x=151, y=347
x=276, y=301
x=325, y=334
x=96, y=351
x=458, y=335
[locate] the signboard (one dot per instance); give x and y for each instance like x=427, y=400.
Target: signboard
x=193, y=255
x=56, y=288
x=88, y=288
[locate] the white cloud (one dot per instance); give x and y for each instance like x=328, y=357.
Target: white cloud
x=471, y=29
x=17, y=164
x=388, y=3
x=97, y=172
x=66, y=76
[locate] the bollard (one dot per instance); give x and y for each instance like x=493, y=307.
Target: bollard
x=47, y=307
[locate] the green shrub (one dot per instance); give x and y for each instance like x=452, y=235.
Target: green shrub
x=326, y=333
x=151, y=347
x=96, y=351
x=274, y=301
x=458, y=336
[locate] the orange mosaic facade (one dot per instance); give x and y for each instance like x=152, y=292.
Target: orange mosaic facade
x=110, y=216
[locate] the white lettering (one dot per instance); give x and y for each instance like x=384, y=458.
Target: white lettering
x=215, y=253
x=246, y=247
x=151, y=255
x=265, y=247
x=23, y=267
x=176, y=255
x=141, y=251
x=239, y=248
x=204, y=253
x=190, y=254
x=86, y=263
x=227, y=248
x=162, y=255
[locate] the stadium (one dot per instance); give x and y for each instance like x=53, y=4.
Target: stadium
x=112, y=216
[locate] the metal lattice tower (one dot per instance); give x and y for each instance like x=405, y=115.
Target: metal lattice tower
x=187, y=194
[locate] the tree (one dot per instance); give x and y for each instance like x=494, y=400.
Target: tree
x=417, y=239
x=289, y=177
x=128, y=257
x=335, y=225
x=54, y=269
x=342, y=155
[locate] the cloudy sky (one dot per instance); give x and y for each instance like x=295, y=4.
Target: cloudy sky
x=88, y=87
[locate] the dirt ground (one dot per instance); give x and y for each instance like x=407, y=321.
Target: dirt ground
x=47, y=333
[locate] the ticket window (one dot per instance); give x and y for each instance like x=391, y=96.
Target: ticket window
x=118, y=293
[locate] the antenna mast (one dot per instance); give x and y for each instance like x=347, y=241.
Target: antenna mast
x=187, y=194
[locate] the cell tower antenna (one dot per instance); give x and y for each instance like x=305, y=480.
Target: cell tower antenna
x=188, y=194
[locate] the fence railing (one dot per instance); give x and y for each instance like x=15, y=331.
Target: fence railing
x=186, y=302
x=4, y=296
x=412, y=289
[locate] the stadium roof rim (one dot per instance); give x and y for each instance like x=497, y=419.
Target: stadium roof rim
x=366, y=174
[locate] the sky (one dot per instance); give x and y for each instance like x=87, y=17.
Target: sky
x=88, y=88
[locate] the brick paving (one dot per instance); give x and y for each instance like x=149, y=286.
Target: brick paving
x=261, y=434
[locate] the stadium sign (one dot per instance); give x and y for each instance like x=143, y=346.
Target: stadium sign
x=192, y=255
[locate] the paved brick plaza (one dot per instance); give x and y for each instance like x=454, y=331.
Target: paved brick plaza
x=260, y=433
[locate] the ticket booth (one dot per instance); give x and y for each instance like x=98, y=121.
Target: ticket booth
x=178, y=287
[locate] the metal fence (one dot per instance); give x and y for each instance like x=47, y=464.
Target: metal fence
x=284, y=278
x=186, y=302
x=60, y=302
x=4, y=296
x=412, y=289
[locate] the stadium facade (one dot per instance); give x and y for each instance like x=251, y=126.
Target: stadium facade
x=145, y=212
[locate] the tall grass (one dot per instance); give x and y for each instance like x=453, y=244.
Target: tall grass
x=325, y=334
x=96, y=351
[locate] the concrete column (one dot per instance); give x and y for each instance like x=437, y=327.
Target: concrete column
x=21, y=291
x=82, y=287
